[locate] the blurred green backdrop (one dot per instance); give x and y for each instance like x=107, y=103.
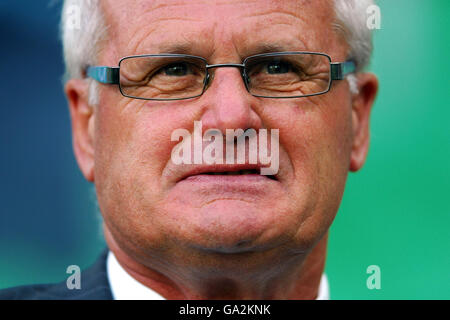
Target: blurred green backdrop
x=395, y=213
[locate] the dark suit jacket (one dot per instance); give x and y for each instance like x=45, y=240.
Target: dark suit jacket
x=94, y=286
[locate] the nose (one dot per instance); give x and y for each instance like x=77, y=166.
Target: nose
x=229, y=104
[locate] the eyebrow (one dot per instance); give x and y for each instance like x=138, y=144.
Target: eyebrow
x=281, y=46
x=192, y=49
x=270, y=47
x=178, y=48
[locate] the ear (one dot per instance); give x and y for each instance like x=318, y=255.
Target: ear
x=361, y=107
x=82, y=117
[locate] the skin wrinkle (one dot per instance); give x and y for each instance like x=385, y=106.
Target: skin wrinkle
x=162, y=5
x=140, y=42
x=135, y=45
x=267, y=20
x=163, y=232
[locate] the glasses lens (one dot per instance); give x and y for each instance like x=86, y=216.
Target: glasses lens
x=162, y=77
x=288, y=75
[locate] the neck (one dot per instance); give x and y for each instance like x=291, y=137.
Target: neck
x=296, y=278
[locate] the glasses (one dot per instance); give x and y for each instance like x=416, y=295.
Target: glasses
x=178, y=76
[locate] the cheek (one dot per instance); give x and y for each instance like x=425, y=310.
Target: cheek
x=131, y=151
x=133, y=137
x=338, y=127
x=319, y=147
x=333, y=152
x=318, y=135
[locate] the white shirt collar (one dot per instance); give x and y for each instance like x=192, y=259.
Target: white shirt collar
x=125, y=287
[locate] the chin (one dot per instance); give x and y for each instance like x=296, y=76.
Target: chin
x=230, y=226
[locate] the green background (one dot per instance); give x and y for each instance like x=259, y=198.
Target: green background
x=395, y=213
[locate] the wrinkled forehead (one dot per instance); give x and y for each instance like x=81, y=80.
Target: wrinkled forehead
x=232, y=28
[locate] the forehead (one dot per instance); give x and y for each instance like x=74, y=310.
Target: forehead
x=219, y=28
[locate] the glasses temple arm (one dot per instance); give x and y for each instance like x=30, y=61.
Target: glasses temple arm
x=107, y=75
x=340, y=69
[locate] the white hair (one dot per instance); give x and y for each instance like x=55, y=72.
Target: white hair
x=82, y=30
x=82, y=38
x=351, y=22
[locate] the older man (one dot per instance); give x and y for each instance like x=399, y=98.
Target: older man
x=138, y=71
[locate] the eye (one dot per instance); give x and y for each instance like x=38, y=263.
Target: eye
x=176, y=69
x=277, y=67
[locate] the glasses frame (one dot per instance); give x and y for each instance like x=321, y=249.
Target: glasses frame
x=111, y=75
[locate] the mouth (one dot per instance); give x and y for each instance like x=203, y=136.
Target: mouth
x=221, y=172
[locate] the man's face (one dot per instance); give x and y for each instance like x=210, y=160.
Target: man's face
x=148, y=204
